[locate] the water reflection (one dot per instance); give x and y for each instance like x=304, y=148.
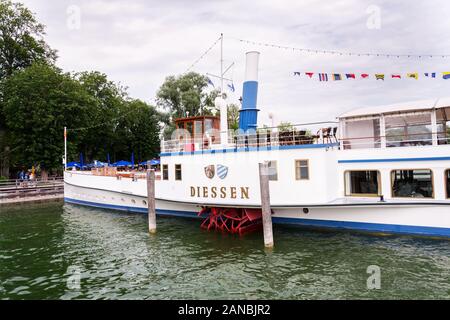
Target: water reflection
x=117, y=258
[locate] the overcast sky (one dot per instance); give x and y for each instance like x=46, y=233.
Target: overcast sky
x=140, y=42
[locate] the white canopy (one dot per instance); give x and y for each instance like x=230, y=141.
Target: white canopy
x=399, y=107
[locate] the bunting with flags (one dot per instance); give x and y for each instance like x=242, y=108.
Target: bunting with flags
x=324, y=77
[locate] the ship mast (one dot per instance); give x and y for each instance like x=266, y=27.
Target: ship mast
x=221, y=64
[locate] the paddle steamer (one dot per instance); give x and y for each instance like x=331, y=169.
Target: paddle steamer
x=379, y=169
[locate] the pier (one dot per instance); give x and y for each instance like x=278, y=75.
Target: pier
x=16, y=191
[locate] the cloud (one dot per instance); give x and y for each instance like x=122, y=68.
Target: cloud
x=140, y=42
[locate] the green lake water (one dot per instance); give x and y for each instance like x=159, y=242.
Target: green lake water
x=44, y=247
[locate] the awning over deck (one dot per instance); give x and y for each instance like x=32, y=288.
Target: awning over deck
x=418, y=105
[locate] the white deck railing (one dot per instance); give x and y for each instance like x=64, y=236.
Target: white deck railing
x=392, y=141
x=302, y=134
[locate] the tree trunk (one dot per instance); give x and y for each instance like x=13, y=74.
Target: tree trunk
x=44, y=175
x=4, y=163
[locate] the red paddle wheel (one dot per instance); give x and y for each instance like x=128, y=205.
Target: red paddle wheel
x=235, y=221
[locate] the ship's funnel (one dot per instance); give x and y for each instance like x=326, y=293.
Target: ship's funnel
x=248, y=118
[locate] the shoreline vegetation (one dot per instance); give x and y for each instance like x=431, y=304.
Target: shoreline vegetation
x=38, y=99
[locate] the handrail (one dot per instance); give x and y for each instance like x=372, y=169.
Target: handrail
x=23, y=184
x=295, y=135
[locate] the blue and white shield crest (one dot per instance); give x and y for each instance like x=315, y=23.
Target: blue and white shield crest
x=222, y=171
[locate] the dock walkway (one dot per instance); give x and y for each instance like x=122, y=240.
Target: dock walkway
x=16, y=191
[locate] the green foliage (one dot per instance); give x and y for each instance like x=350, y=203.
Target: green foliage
x=186, y=93
x=138, y=132
x=285, y=127
x=21, y=39
x=108, y=101
x=38, y=102
x=233, y=116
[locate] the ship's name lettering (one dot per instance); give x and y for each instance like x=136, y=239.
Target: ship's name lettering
x=220, y=192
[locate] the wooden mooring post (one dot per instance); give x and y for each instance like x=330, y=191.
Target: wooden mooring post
x=265, y=204
x=151, y=201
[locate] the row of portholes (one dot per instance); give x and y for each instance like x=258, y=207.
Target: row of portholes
x=85, y=196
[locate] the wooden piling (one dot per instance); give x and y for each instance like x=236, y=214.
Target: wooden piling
x=265, y=204
x=151, y=201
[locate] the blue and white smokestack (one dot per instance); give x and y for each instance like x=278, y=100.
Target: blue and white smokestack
x=248, y=118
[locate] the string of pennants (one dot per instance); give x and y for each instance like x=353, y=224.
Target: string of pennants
x=342, y=53
x=377, y=76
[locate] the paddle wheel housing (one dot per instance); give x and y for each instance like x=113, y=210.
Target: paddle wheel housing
x=231, y=220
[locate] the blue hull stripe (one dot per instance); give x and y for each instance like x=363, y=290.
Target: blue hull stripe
x=132, y=209
x=360, y=226
x=394, y=160
x=370, y=227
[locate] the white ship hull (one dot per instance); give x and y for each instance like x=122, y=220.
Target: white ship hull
x=392, y=217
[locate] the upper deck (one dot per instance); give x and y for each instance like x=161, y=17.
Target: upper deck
x=418, y=123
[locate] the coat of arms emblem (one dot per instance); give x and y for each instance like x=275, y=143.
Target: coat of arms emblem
x=222, y=171
x=210, y=171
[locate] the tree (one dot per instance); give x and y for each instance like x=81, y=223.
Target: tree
x=39, y=102
x=285, y=127
x=108, y=104
x=21, y=39
x=137, y=132
x=233, y=116
x=186, y=93
x=21, y=45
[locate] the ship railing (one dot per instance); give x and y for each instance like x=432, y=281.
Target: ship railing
x=287, y=135
x=395, y=140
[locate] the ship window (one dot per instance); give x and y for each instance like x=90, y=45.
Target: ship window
x=408, y=129
x=362, y=183
x=301, y=169
x=273, y=173
x=443, y=125
x=178, y=175
x=165, y=172
x=447, y=182
x=413, y=183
